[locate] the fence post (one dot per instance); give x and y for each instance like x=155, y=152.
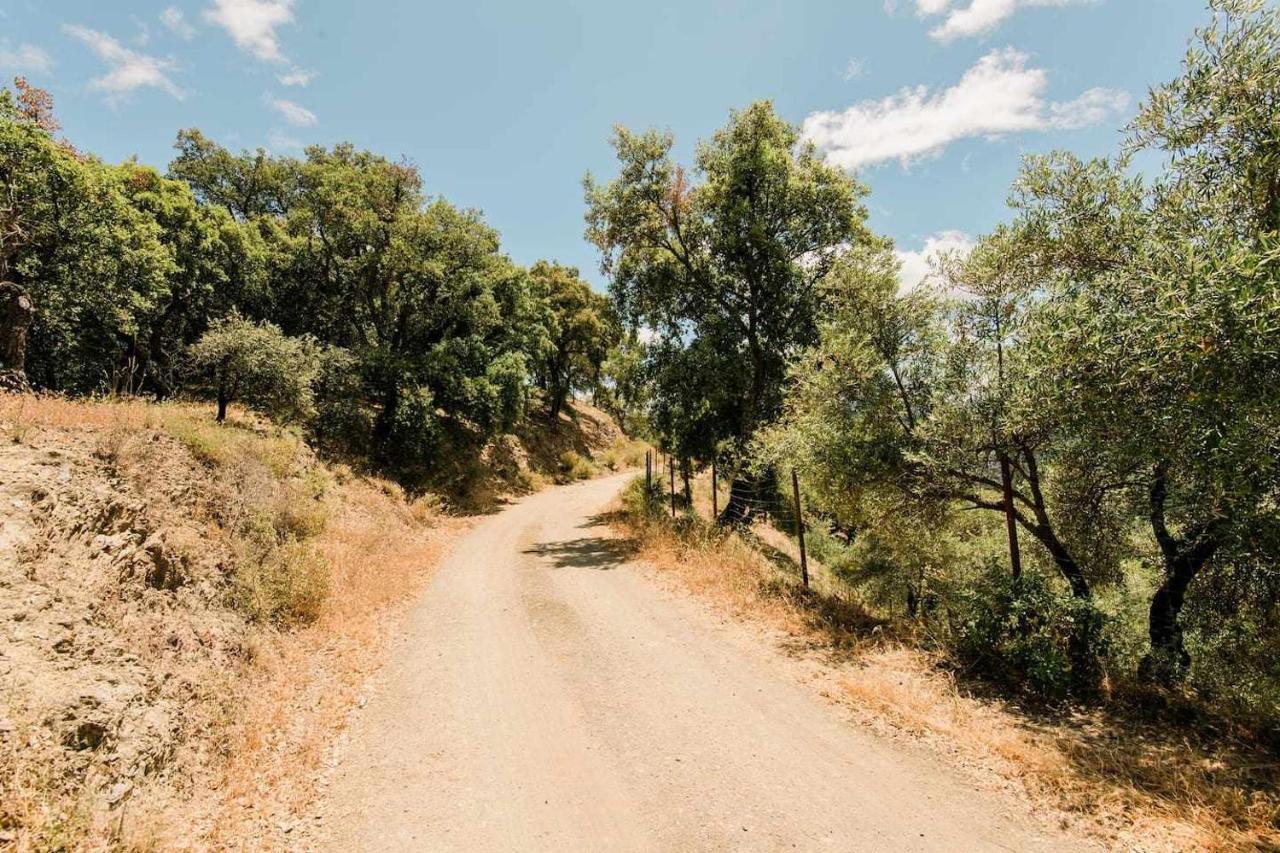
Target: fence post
x=715, y=497
x=804, y=562
x=648, y=471
x=671, y=464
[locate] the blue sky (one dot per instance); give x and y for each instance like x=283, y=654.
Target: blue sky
x=504, y=104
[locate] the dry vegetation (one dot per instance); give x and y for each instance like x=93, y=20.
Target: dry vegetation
x=583, y=442
x=1120, y=776
x=187, y=612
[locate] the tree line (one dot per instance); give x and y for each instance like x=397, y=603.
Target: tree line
x=1062, y=453
x=329, y=289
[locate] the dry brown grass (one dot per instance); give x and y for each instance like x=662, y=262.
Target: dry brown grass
x=338, y=559
x=381, y=549
x=1133, y=782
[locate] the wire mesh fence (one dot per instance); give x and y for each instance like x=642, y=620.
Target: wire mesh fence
x=766, y=507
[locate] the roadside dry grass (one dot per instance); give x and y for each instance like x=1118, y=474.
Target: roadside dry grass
x=1136, y=780
x=380, y=548
x=240, y=671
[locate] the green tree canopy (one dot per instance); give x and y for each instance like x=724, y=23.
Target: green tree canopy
x=580, y=328
x=725, y=262
x=256, y=363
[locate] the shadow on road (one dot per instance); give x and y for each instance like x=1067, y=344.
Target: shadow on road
x=587, y=552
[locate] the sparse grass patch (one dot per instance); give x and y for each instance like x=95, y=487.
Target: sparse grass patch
x=624, y=453
x=735, y=573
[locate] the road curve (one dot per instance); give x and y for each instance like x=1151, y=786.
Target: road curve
x=546, y=696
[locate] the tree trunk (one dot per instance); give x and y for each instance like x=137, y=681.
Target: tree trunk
x=16, y=312
x=1168, y=660
x=1067, y=565
x=746, y=500
x=222, y=406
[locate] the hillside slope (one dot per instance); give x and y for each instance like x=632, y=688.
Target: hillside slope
x=189, y=610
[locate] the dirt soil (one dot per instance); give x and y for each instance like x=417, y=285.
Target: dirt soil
x=112, y=634
x=545, y=694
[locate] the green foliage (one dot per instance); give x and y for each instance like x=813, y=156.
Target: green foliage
x=729, y=285
x=1023, y=631
x=257, y=363
x=92, y=264
x=343, y=422
x=580, y=327
x=1116, y=349
x=624, y=388
x=418, y=327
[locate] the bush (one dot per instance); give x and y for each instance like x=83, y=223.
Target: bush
x=574, y=467
x=241, y=360
x=1027, y=633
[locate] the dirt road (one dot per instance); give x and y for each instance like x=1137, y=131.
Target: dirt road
x=547, y=696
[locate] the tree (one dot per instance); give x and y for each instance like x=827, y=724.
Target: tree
x=218, y=266
x=624, y=390
x=580, y=328
x=248, y=185
x=89, y=263
x=1163, y=343
x=257, y=363
x=438, y=326
x=727, y=264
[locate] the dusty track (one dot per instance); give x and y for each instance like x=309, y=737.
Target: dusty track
x=546, y=696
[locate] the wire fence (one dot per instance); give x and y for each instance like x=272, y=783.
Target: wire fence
x=769, y=509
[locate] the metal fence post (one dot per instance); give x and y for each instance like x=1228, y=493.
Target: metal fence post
x=804, y=562
x=715, y=487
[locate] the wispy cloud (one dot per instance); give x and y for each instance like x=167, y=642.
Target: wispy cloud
x=174, y=19
x=855, y=68
x=25, y=58
x=127, y=69
x=978, y=17
x=917, y=265
x=1000, y=94
x=295, y=114
x=296, y=77
x=252, y=24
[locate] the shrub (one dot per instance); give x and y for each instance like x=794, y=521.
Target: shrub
x=256, y=362
x=1027, y=633
x=341, y=423
x=574, y=467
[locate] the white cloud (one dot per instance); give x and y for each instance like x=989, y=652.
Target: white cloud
x=917, y=265
x=977, y=18
x=25, y=58
x=252, y=24
x=1093, y=107
x=998, y=95
x=296, y=77
x=855, y=68
x=176, y=21
x=295, y=114
x=931, y=7
x=127, y=70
